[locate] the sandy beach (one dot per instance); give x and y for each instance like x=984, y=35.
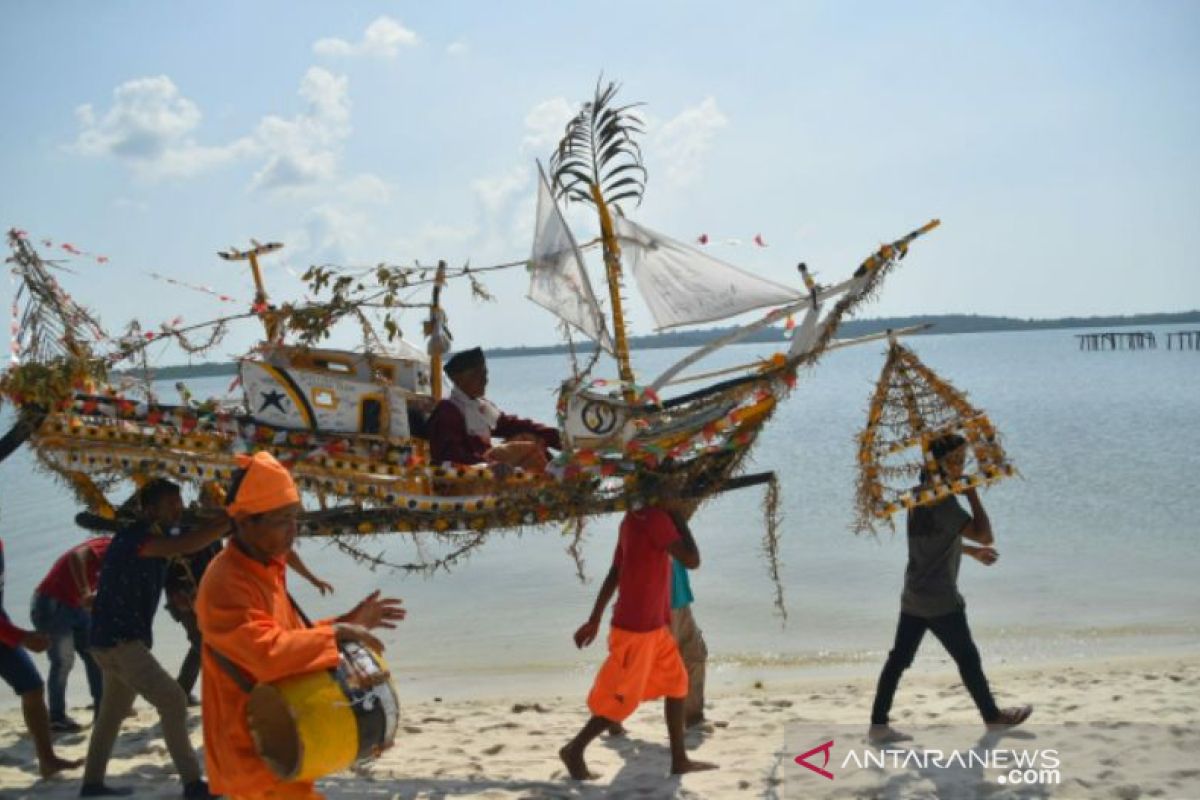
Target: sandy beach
x=508, y=749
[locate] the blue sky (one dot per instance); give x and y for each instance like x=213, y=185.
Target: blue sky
x=1056, y=141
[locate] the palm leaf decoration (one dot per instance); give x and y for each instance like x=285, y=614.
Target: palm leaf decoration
x=599, y=149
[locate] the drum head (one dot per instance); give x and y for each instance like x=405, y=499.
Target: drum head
x=274, y=731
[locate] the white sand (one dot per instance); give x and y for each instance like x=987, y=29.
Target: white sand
x=509, y=749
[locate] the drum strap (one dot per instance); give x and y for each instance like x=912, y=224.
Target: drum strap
x=233, y=670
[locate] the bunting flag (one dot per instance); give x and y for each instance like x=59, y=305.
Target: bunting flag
x=758, y=240
x=224, y=298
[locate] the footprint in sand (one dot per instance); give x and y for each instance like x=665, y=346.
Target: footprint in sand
x=499, y=726
x=493, y=750
x=412, y=729
x=522, y=707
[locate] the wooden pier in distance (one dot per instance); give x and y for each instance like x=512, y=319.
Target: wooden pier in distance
x=1137, y=340
x=1188, y=340
x=1125, y=340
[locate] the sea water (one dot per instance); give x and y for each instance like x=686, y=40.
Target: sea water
x=1098, y=538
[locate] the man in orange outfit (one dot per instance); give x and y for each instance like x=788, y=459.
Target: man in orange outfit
x=643, y=660
x=246, y=616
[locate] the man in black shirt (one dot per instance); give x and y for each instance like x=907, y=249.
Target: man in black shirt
x=930, y=600
x=130, y=589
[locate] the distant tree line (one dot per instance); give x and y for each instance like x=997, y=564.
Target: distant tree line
x=942, y=324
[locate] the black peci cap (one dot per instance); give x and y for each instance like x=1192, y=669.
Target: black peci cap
x=464, y=360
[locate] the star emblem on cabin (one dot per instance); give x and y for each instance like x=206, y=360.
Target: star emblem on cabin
x=272, y=398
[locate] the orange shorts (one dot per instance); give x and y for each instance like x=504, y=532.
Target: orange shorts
x=640, y=666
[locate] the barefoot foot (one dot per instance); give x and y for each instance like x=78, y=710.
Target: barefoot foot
x=56, y=765
x=687, y=765
x=576, y=766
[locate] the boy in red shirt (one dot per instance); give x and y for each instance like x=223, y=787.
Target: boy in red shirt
x=61, y=609
x=643, y=660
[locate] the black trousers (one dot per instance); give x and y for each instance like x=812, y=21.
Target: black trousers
x=954, y=634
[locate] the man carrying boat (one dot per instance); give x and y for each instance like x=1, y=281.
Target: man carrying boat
x=461, y=428
x=131, y=585
x=643, y=659
x=931, y=601
x=253, y=633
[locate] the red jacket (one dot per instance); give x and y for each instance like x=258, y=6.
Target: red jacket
x=450, y=441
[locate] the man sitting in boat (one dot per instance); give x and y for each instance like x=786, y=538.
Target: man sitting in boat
x=461, y=428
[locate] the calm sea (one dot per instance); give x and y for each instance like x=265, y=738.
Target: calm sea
x=1098, y=539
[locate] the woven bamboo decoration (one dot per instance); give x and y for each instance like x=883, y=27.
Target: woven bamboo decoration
x=911, y=408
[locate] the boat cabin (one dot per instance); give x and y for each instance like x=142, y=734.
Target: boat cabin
x=338, y=391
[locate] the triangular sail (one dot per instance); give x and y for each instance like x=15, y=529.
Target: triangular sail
x=557, y=279
x=683, y=286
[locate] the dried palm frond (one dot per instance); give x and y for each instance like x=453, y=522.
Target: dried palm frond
x=599, y=149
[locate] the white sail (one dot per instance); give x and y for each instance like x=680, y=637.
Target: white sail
x=683, y=286
x=557, y=278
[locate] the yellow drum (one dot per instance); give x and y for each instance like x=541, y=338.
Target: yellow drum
x=316, y=724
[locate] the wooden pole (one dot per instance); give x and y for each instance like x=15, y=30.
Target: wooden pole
x=435, y=311
x=612, y=267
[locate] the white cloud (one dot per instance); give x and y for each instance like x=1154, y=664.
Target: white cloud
x=459, y=48
x=333, y=234
x=149, y=126
x=305, y=149
x=544, y=125
x=383, y=38
x=365, y=188
x=682, y=141
x=495, y=193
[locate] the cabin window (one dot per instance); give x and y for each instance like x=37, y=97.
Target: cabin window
x=330, y=364
x=385, y=373
x=371, y=416
x=336, y=367
x=324, y=398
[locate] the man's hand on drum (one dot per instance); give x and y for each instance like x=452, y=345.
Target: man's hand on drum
x=375, y=612
x=349, y=632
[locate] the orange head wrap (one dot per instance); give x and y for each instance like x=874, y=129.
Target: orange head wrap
x=265, y=486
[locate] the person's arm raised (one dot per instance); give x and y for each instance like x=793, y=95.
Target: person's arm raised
x=207, y=532
x=979, y=529
x=684, y=550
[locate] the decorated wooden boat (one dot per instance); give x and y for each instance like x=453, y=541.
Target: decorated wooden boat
x=348, y=422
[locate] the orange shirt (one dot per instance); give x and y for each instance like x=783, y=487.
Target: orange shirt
x=244, y=613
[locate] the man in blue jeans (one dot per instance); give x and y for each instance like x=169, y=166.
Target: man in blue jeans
x=61, y=609
x=931, y=601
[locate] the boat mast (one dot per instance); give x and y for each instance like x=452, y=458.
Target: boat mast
x=435, y=329
x=612, y=269
x=269, y=319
